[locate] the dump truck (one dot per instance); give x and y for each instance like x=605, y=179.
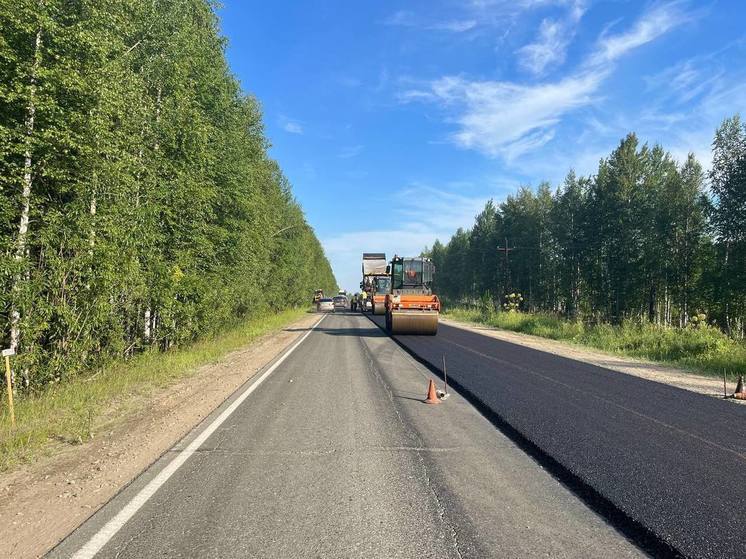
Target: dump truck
x=374, y=267
x=411, y=306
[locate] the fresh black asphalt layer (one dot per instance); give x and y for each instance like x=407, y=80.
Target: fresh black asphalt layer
x=668, y=460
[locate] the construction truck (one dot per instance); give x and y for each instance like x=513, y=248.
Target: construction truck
x=411, y=306
x=374, y=267
x=318, y=295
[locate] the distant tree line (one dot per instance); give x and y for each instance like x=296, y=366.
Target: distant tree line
x=646, y=237
x=138, y=205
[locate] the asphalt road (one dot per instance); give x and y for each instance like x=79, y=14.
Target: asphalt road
x=664, y=463
x=334, y=454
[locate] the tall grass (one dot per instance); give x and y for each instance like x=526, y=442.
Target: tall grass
x=703, y=349
x=72, y=412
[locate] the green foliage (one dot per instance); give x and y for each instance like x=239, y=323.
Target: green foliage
x=640, y=240
x=728, y=217
x=72, y=412
x=155, y=213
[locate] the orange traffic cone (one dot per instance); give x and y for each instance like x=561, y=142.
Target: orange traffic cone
x=432, y=397
x=740, y=392
x=739, y=385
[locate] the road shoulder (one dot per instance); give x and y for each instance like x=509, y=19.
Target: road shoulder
x=709, y=386
x=44, y=502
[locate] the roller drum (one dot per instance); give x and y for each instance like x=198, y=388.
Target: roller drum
x=379, y=308
x=424, y=323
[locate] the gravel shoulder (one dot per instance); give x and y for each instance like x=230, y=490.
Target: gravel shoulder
x=710, y=386
x=45, y=501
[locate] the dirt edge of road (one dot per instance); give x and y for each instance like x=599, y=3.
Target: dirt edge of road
x=710, y=386
x=44, y=502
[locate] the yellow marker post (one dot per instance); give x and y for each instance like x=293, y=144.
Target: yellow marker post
x=7, y=353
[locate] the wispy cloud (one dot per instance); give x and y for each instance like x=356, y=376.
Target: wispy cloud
x=290, y=125
x=424, y=213
x=455, y=26
x=687, y=80
x=406, y=18
x=656, y=21
x=293, y=128
x=403, y=18
x=508, y=119
x=550, y=46
x=350, y=151
x=686, y=102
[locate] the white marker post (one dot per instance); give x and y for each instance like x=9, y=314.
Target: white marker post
x=7, y=353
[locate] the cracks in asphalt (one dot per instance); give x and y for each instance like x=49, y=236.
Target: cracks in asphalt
x=418, y=448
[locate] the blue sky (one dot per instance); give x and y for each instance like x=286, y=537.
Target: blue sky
x=396, y=121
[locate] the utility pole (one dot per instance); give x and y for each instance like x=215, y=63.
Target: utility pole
x=506, y=269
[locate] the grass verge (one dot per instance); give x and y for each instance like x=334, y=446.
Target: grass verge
x=703, y=350
x=70, y=412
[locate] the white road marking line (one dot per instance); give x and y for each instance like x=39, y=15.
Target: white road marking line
x=102, y=537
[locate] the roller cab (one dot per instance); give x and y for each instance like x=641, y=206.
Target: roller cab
x=411, y=307
x=381, y=288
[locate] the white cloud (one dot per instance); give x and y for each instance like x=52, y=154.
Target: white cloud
x=350, y=151
x=550, y=46
x=406, y=18
x=687, y=80
x=686, y=102
x=456, y=25
x=293, y=128
x=548, y=49
x=506, y=119
x=655, y=22
x=403, y=18
x=290, y=125
x=423, y=214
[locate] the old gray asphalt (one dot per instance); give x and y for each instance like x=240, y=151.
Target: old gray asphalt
x=335, y=455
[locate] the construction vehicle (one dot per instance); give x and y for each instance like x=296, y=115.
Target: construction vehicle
x=318, y=295
x=374, y=267
x=411, y=306
x=381, y=286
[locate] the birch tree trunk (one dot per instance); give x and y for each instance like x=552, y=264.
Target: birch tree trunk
x=21, y=250
x=92, y=211
x=147, y=323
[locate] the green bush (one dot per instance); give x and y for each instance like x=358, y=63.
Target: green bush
x=70, y=412
x=702, y=348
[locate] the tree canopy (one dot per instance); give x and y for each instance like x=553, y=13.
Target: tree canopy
x=139, y=207
x=645, y=237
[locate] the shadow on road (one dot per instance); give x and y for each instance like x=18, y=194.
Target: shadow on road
x=355, y=332
x=409, y=396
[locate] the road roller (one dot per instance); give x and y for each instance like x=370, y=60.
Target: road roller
x=411, y=306
x=381, y=286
